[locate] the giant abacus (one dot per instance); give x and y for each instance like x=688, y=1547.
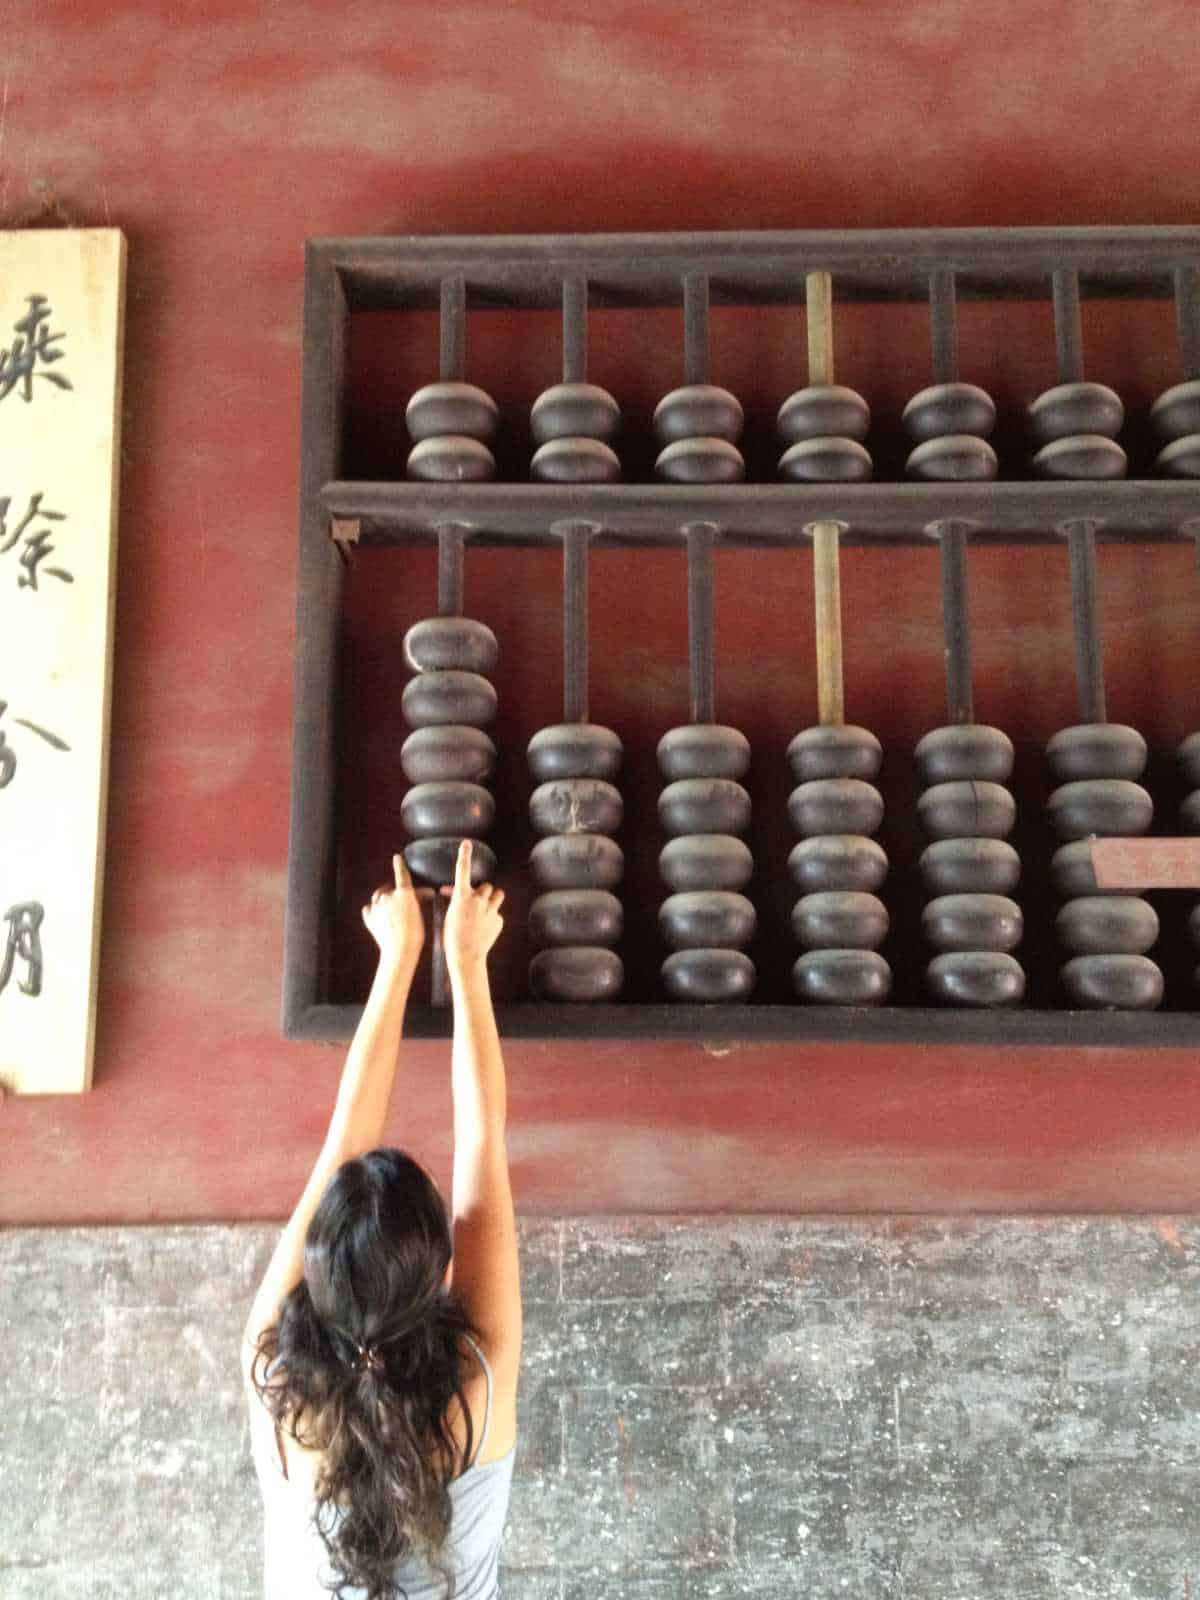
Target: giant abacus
x=1066, y=485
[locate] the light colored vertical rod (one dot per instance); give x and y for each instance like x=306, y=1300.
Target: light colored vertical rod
x=826, y=556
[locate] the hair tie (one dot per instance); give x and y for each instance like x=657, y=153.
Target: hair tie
x=369, y=1359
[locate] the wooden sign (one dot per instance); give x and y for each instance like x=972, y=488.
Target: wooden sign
x=1125, y=863
x=61, y=332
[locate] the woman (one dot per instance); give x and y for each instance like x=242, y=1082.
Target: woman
x=382, y=1348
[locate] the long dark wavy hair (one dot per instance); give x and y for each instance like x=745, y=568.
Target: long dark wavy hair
x=363, y=1364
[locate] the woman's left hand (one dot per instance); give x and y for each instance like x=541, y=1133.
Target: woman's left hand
x=393, y=916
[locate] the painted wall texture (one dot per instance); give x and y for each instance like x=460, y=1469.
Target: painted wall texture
x=711, y=1409
x=219, y=136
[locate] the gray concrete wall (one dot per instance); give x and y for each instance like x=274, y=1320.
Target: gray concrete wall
x=711, y=1409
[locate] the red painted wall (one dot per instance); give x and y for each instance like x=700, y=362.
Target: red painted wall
x=220, y=136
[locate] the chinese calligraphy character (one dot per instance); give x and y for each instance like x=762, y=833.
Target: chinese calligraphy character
x=37, y=543
x=8, y=756
x=24, y=944
x=19, y=363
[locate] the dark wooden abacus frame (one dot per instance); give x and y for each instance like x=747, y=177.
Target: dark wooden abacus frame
x=337, y=517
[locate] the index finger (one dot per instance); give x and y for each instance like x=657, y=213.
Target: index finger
x=400, y=869
x=462, y=868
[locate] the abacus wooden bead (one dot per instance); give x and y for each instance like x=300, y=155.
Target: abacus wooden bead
x=1113, y=982
x=576, y=973
x=826, y=461
x=1096, y=750
x=1189, y=763
x=466, y=810
x=842, y=977
x=1176, y=415
x=575, y=410
x=576, y=461
x=447, y=752
x=452, y=425
x=703, y=750
x=705, y=861
x=954, y=458
x=708, y=976
x=1181, y=458
x=984, y=979
x=837, y=861
x=698, y=410
x=704, y=805
x=946, y=409
x=843, y=919
x=1076, y=408
x=1072, y=872
x=434, y=860
x=1101, y=924
x=707, y=919
x=1083, y=455
x=574, y=750
x=837, y=750
x=576, y=805
x=973, y=922
x=1189, y=760
x=950, y=422
x=969, y=866
x=976, y=809
x=963, y=752
x=576, y=917
x=577, y=861
x=452, y=458
x=450, y=408
x=835, y=805
x=445, y=697
x=440, y=644
x=699, y=424
x=824, y=411
x=1106, y=806
x=572, y=423
x=701, y=461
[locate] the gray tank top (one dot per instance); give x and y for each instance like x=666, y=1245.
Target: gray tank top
x=295, y=1562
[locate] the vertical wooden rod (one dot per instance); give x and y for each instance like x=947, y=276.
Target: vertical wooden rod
x=831, y=710
x=943, y=323
x=956, y=622
x=695, y=328
x=439, y=986
x=453, y=328
x=818, y=288
x=575, y=302
x=575, y=537
x=1187, y=317
x=1068, y=325
x=1089, y=661
x=451, y=537
x=701, y=537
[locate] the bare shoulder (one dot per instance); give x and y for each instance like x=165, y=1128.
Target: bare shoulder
x=502, y=1428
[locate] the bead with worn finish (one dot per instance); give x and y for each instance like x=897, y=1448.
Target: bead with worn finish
x=576, y=973
x=708, y=976
x=842, y=977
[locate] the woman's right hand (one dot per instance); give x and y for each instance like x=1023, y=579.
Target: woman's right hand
x=473, y=919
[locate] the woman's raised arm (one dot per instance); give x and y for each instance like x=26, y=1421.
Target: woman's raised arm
x=360, y=1112
x=486, y=1274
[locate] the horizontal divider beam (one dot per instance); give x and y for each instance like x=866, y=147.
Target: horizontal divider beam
x=766, y=1024
x=764, y=514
